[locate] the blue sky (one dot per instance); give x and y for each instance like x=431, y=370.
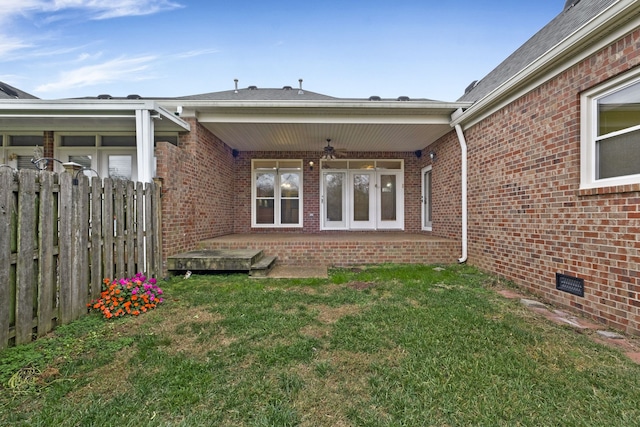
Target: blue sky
x=343, y=48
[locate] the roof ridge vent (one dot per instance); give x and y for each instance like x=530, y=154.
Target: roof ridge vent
x=374, y=98
x=105, y=96
x=286, y=88
x=569, y=4
x=134, y=96
x=253, y=88
x=403, y=98
x=471, y=86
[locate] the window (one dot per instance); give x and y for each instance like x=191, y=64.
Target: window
x=110, y=155
x=427, y=210
x=277, y=193
x=610, y=140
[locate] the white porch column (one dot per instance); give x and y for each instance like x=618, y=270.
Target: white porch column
x=144, y=145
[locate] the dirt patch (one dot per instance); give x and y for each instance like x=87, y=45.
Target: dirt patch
x=360, y=286
x=103, y=380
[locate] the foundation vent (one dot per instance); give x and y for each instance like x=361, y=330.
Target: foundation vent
x=572, y=285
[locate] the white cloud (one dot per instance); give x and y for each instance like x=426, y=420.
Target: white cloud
x=97, y=9
x=120, y=69
x=192, y=53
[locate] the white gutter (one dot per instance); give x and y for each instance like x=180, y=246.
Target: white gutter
x=463, y=182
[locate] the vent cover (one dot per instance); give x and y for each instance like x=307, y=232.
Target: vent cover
x=572, y=285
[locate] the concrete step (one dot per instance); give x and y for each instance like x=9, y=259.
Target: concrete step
x=215, y=260
x=263, y=266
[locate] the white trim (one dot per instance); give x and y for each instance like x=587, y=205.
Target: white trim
x=589, y=131
x=423, y=202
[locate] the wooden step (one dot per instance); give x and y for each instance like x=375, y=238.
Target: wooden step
x=215, y=260
x=263, y=266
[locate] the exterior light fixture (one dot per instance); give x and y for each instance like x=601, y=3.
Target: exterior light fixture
x=432, y=156
x=310, y=165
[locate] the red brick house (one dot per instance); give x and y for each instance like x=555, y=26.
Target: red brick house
x=533, y=174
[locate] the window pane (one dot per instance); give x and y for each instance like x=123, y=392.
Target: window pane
x=265, y=184
x=264, y=211
x=361, y=164
x=265, y=164
x=24, y=162
x=26, y=140
x=289, y=164
x=119, y=141
x=620, y=110
x=388, y=197
x=618, y=156
x=389, y=164
x=290, y=185
x=289, y=211
x=120, y=167
x=78, y=141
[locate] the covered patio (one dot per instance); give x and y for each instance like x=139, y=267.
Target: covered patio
x=341, y=249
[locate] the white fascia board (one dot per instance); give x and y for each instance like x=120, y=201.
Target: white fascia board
x=85, y=108
x=559, y=58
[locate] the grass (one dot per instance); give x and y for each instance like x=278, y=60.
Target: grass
x=384, y=346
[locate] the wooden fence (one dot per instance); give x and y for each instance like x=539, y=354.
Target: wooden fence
x=60, y=236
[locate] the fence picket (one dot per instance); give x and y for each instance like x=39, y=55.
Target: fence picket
x=6, y=214
x=119, y=217
x=25, y=271
x=130, y=233
x=46, y=269
x=95, y=253
x=107, y=230
x=65, y=254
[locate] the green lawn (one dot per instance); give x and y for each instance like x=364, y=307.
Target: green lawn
x=384, y=346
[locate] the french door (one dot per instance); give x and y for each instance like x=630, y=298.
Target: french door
x=362, y=200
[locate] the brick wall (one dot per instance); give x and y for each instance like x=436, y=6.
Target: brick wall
x=198, y=189
x=311, y=188
x=528, y=219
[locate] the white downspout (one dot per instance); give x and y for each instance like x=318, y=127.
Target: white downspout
x=463, y=178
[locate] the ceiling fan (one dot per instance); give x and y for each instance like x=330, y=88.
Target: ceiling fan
x=330, y=152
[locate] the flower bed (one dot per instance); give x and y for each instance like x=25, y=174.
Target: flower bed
x=127, y=296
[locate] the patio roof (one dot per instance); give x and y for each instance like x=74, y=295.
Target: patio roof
x=305, y=124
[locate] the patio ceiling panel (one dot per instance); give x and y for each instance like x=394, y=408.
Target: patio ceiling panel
x=313, y=136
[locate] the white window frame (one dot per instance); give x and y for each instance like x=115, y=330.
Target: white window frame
x=589, y=132
x=277, y=197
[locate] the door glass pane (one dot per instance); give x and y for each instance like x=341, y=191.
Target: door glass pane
x=265, y=184
x=120, y=167
x=427, y=199
x=333, y=185
x=289, y=211
x=388, y=197
x=362, y=164
x=361, y=184
x=264, y=211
